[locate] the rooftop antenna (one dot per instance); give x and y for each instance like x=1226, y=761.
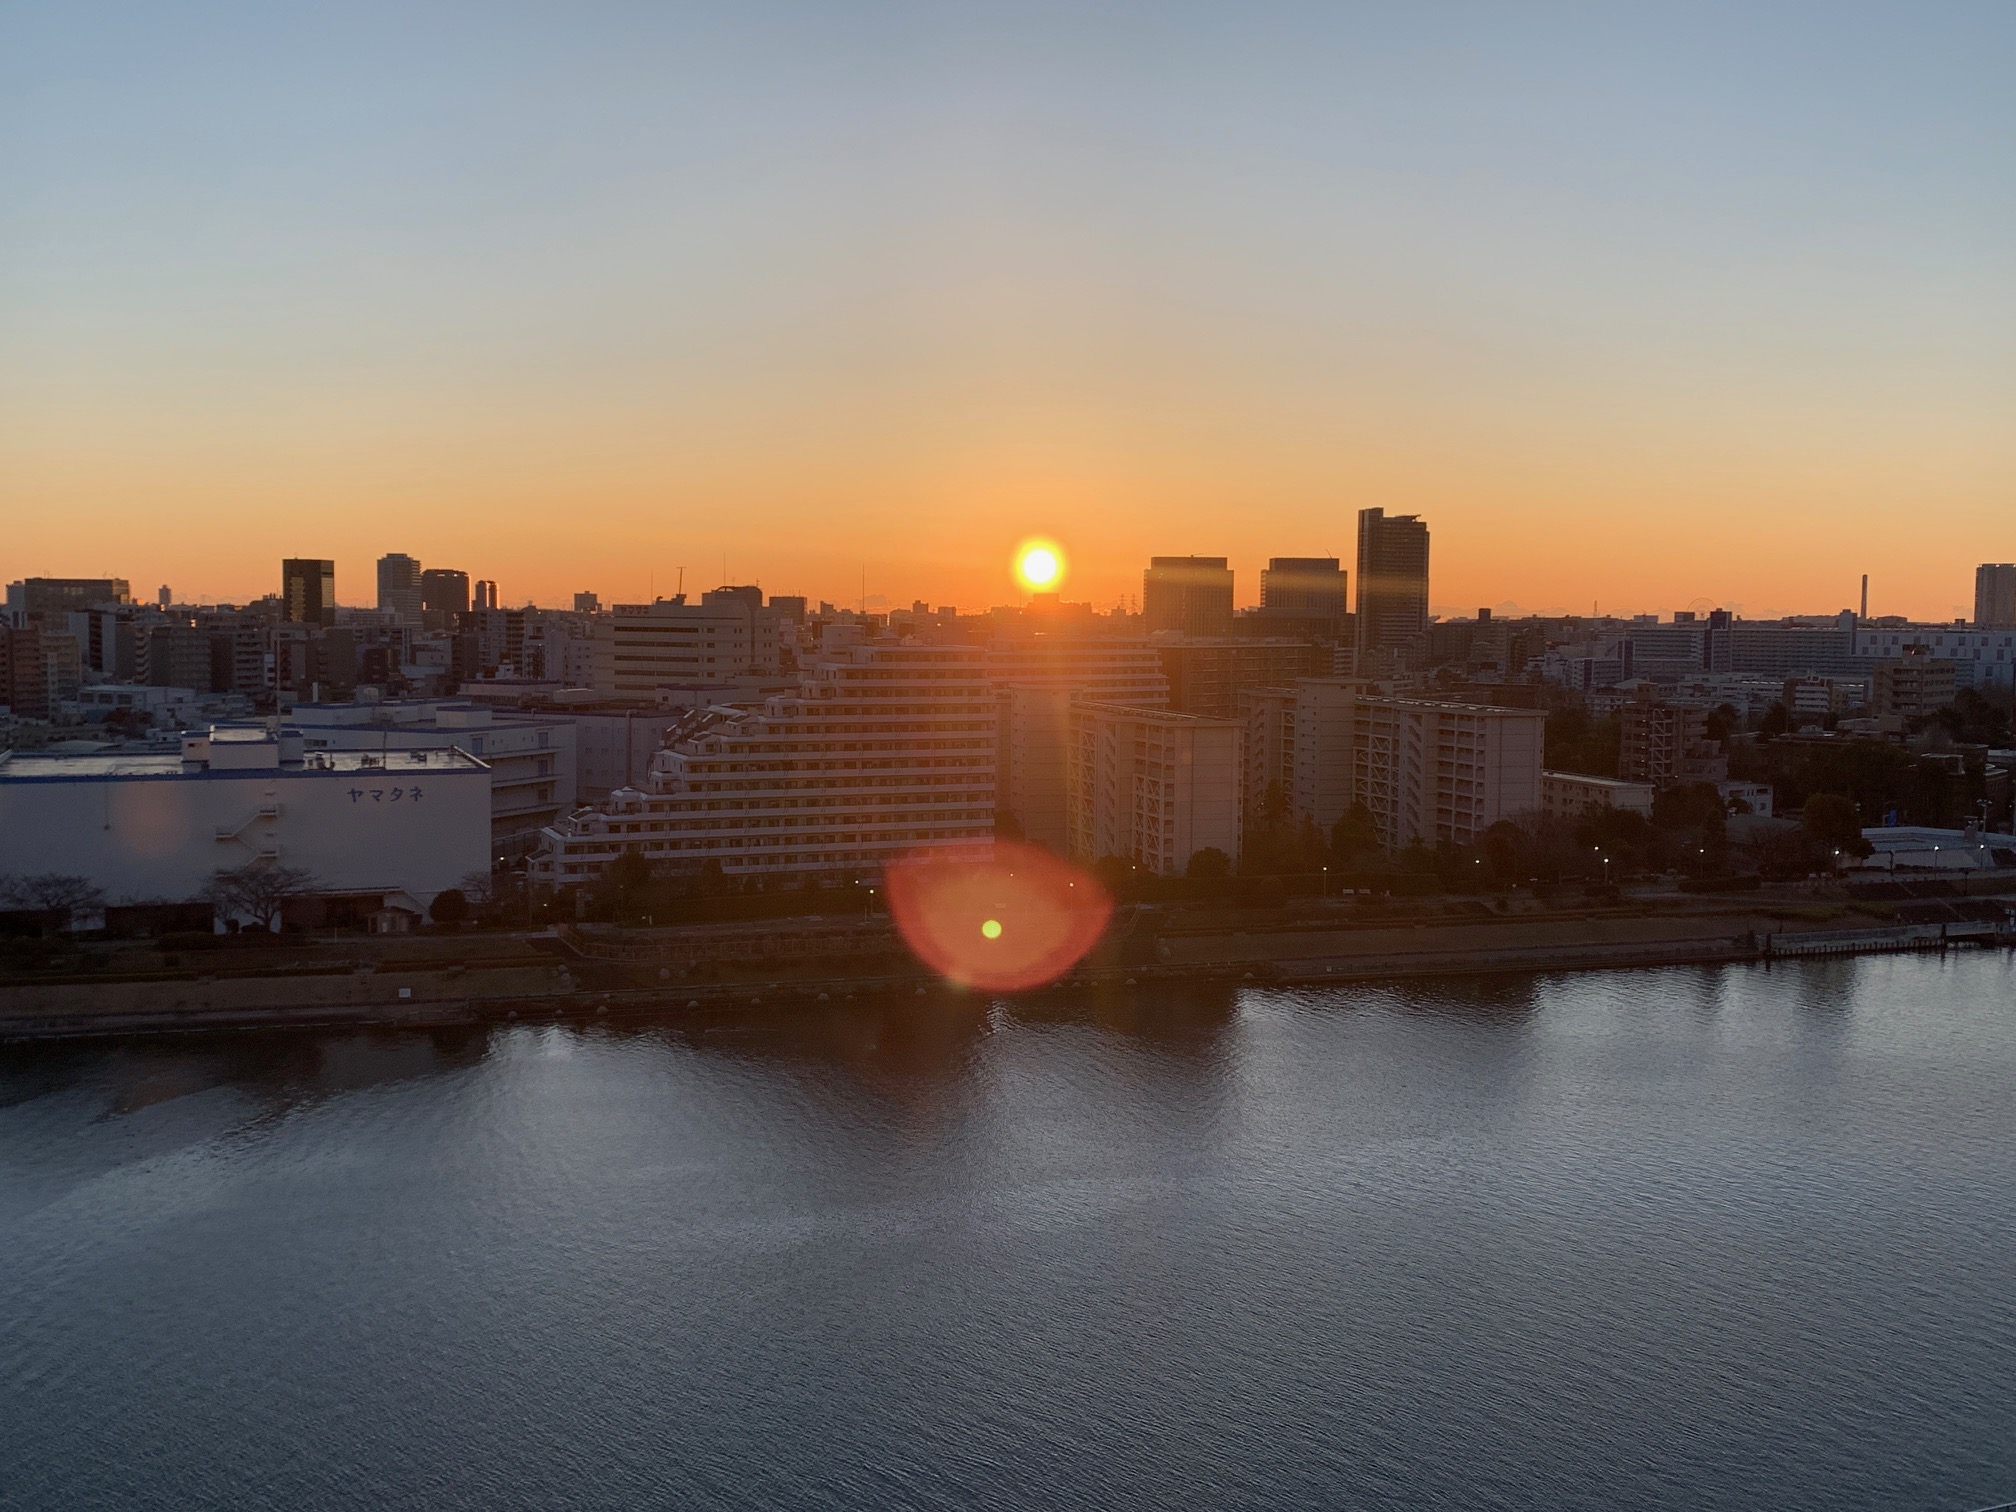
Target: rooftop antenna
x=1865, y=597
x=682, y=582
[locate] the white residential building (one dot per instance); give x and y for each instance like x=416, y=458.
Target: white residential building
x=1981, y=657
x=1153, y=786
x=1038, y=678
x=1429, y=771
x=397, y=825
x=886, y=750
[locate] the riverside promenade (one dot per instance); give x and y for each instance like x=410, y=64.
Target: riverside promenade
x=594, y=971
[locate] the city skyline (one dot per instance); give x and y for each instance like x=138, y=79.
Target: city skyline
x=1640, y=310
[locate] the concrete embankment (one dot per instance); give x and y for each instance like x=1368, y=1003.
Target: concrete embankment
x=524, y=986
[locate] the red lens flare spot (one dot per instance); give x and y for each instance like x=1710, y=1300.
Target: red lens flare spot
x=1006, y=925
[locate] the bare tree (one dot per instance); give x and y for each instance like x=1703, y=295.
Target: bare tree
x=257, y=892
x=481, y=889
x=54, y=892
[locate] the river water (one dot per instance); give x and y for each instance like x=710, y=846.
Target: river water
x=1729, y=1237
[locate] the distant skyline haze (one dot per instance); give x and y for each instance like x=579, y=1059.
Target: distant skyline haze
x=1636, y=306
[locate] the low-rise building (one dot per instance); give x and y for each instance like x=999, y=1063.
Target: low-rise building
x=530, y=755
x=1666, y=743
x=1916, y=684
x=1570, y=795
x=397, y=825
x=641, y=647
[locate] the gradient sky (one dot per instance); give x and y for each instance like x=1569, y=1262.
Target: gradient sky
x=1640, y=305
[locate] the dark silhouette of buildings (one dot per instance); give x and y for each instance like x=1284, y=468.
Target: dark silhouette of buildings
x=1189, y=594
x=1392, y=582
x=308, y=591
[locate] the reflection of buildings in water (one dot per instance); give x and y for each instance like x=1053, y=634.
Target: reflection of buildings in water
x=277, y=1069
x=901, y=1046
x=1705, y=987
x=1503, y=998
x=1823, y=985
x=1187, y=1017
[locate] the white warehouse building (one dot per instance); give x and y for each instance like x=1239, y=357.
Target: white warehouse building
x=531, y=756
x=399, y=825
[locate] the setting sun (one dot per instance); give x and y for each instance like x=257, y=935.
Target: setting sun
x=1039, y=566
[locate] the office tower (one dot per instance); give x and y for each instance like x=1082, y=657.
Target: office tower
x=1188, y=594
x=587, y=603
x=1392, y=581
x=399, y=592
x=1309, y=585
x=444, y=592
x=486, y=594
x=308, y=591
x=640, y=648
x=165, y=597
x=1995, y=593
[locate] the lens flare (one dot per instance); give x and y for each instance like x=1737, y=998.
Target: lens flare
x=1039, y=565
x=1006, y=925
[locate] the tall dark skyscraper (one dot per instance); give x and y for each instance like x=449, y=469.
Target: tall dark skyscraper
x=308, y=590
x=399, y=587
x=1191, y=594
x=1995, y=594
x=1307, y=585
x=444, y=591
x=1392, y=580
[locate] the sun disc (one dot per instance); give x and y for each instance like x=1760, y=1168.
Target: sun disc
x=1039, y=566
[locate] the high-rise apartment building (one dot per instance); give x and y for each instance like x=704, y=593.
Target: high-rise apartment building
x=885, y=751
x=1995, y=594
x=1306, y=585
x=1190, y=594
x=308, y=591
x=1392, y=581
x=486, y=594
x=1152, y=786
x=1038, y=678
x=399, y=592
x=1433, y=772
x=444, y=593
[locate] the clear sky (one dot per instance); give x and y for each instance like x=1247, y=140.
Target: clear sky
x=1641, y=305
